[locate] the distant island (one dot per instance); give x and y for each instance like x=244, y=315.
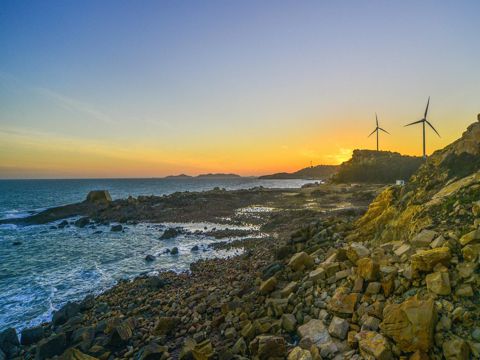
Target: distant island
x=319, y=172
x=204, y=176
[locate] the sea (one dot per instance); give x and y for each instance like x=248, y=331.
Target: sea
x=43, y=267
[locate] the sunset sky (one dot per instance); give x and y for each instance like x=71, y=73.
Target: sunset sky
x=151, y=88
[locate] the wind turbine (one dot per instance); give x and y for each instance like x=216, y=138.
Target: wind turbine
x=377, y=129
x=423, y=122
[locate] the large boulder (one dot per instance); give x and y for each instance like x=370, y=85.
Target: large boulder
x=66, y=312
x=32, y=335
x=49, y=347
x=427, y=259
x=368, y=269
x=99, y=196
x=9, y=342
x=410, y=324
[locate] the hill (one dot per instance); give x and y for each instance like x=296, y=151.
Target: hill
x=370, y=166
x=203, y=176
x=319, y=172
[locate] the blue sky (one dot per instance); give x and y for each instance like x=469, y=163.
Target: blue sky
x=155, y=87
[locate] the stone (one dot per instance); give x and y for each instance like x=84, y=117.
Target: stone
x=438, y=242
x=268, y=285
x=373, y=288
x=120, y=334
x=166, y=325
x=466, y=269
x=9, y=341
x=410, y=324
x=203, y=350
x=438, y=283
x=32, y=335
x=464, y=290
x=370, y=323
x=456, y=349
x=317, y=274
x=174, y=251
x=338, y=328
x=373, y=344
x=402, y=249
x=423, y=239
x=471, y=237
x=170, y=233
x=82, y=222
x=268, y=347
x=289, y=322
x=427, y=259
x=240, y=347
x=300, y=261
x=75, y=354
x=289, y=288
x=99, y=196
x=476, y=334
x=471, y=252
x=66, y=312
x=152, y=351
x=368, y=269
x=342, y=302
x=356, y=251
x=49, y=347
x=299, y=354
x=116, y=228
x=315, y=331
x=150, y=258
x=419, y=355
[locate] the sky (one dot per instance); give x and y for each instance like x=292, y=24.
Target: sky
x=151, y=88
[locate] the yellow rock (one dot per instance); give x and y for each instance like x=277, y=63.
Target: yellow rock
x=342, y=302
x=268, y=285
x=300, y=261
x=473, y=236
x=427, y=259
x=438, y=283
x=368, y=269
x=374, y=344
x=410, y=324
x=456, y=349
x=299, y=354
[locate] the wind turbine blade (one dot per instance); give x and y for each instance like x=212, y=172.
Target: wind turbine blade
x=373, y=132
x=416, y=122
x=376, y=119
x=385, y=131
x=426, y=110
x=432, y=128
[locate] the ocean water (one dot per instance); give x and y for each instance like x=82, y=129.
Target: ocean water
x=42, y=268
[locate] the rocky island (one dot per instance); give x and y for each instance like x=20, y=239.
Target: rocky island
x=398, y=280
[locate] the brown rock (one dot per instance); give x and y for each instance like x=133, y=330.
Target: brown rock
x=439, y=283
x=342, y=302
x=419, y=355
x=374, y=344
x=427, y=259
x=456, y=349
x=300, y=261
x=268, y=346
x=368, y=269
x=165, y=325
x=410, y=324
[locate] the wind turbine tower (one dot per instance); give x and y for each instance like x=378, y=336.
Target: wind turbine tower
x=423, y=122
x=377, y=129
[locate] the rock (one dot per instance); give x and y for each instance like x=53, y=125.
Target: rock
x=342, y=302
x=456, y=349
x=240, y=347
x=150, y=258
x=410, y=324
x=203, y=350
x=75, y=354
x=317, y=274
x=195, y=248
x=438, y=283
x=268, y=346
x=423, y=239
x=9, y=342
x=471, y=237
x=116, y=228
x=438, y=242
x=466, y=269
x=476, y=334
x=66, y=312
x=99, y=196
x=289, y=288
x=300, y=261
x=315, y=331
x=374, y=344
x=338, y=328
x=289, y=322
x=427, y=259
x=170, y=233
x=402, y=249
x=166, y=325
x=368, y=269
x=54, y=345
x=268, y=285
x=32, y=335
x=299, y=354
x=373, y=288
x=419, y=355
x=120, y=334
x=155, y=282
x=174, y=251
x=356, y=251
x=82, y=222
x=152, y=351
x=471, y=252
x=464, y=290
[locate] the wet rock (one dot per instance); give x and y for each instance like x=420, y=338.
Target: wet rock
x=63, y=224
x=268, y=346
x=314, y=331
x=268, y=285
x=438, y=283
x=300, y=261
x=456, y=349
x=32, y=335
x=338, y=328
x=66, y=312
x=49, y=347
x=99, y=196
x=195, y=248
x=410, y=324
x=152, y=351
x=402, y=249
x=82, y=222
x=170, y=233
x=426, y=260
x=373, y=344
x=9, y=342
x=116, y=228
x=174, y=251
x=150, y=258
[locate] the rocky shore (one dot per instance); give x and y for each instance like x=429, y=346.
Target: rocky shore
x=399, y=282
